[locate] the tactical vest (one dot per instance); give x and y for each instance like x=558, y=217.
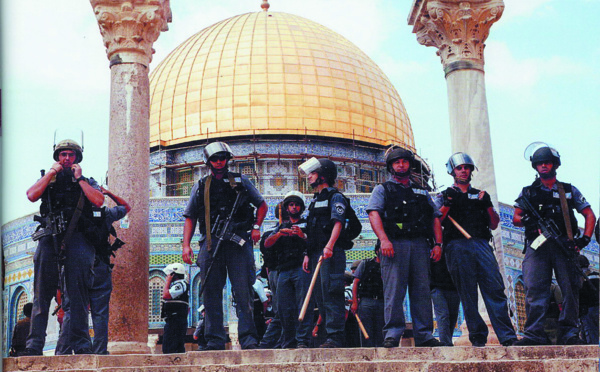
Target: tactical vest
x=64, y=194
x=470, y=213
x=176, y=307
x=547, y=203
x=222, y=198
x=290, y=249
x=408, y=213
x=319, y=223
x=371, y=284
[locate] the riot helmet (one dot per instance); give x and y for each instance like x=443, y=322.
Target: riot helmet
x=396, y=152
x=325, y=168
x=538, y=152
x=459, y=158
x=69, y=144
x=294, y=196
x=216, y=148
x=176, y=268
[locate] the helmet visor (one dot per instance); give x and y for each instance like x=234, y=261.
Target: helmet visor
x=533, y=147
x=309, y=166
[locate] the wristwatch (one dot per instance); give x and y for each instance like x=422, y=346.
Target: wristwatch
x=81, y=178
x=255, y=227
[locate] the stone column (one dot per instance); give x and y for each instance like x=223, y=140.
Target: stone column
x=129, y=28
x=458, y=29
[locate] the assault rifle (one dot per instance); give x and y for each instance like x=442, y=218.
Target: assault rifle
x=223, y=230
x=550, y=231
x=52, y=224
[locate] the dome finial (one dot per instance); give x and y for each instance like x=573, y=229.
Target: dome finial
x=265, y=5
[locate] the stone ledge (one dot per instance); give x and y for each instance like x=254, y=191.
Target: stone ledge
x=539, y=358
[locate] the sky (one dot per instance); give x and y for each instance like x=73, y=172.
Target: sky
x=541, y=71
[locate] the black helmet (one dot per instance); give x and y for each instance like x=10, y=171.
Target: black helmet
x=538, y=152
x=396, y=152
x=324, y=168
x=68, y=144
x=545, y=154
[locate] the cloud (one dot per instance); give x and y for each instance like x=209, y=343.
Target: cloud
x=506, y=72
x=525, y=8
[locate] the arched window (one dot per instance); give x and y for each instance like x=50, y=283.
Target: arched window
x=157, y=282
x=520, y=301
x=20, y=298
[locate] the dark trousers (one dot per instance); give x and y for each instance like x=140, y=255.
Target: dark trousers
x=446, y=304
x=174, y=334
x=370, y=311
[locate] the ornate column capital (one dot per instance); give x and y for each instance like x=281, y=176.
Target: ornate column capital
x=130, y=27
x=457, y=28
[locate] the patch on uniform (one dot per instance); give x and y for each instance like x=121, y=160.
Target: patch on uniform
x=301, y=225
x=97, y=214
x=340, y=208
x=238, y=179
x=582, y=199
x=420, y=191
x=556, y=195
x=321, y=204
x=473, y=196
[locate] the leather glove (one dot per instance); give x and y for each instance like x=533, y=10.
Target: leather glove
x=486, y=200
x=450, y=196
x=582, y=242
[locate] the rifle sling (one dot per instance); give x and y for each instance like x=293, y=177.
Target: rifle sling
x=565, y=209
x=73, y=222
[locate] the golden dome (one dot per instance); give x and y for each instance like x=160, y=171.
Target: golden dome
x=270, y=73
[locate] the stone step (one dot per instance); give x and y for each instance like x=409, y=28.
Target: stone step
x=454, y=359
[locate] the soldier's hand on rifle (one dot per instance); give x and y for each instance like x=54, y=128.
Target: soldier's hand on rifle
x=187, y=255
x=528, y=222
x=582, y=242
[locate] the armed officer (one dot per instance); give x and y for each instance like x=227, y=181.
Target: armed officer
x=211, y=202
x=471, y=261
x=288, y=241
x=326, y=216
x=367, y=299
x=67, y=200
x=404, y=216
x=100, y=232
x=547, y=194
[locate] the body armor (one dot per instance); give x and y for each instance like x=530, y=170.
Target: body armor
x=471, y=214
x=408, y=213
x=290, y=249
x=64, y=195
x=319, y=224
x=371, y=284
x=176, y=307
x=222, y=197
x=548, y=204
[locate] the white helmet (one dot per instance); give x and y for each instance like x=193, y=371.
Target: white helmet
x=176, y=268
x=457, y=159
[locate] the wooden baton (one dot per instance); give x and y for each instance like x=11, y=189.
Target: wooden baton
x=460, y=228
x=310, y=289
x=362, y=327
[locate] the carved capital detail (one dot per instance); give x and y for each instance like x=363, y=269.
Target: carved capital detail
x=458, y=29
x=130, y=27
